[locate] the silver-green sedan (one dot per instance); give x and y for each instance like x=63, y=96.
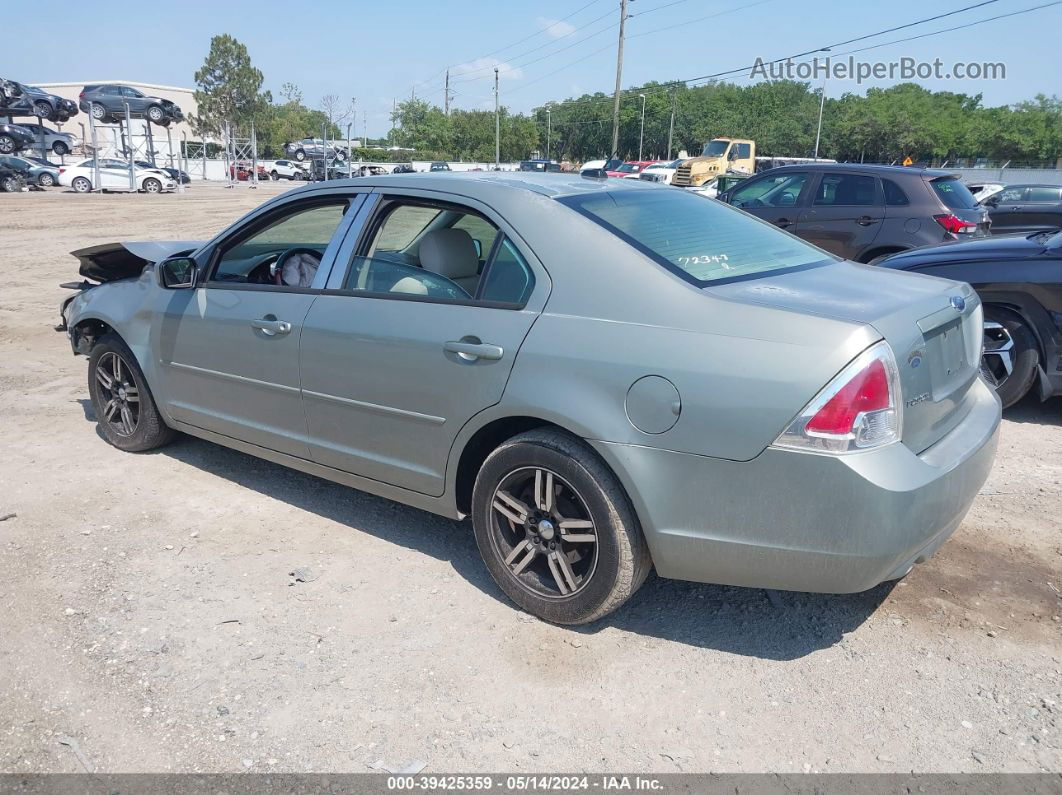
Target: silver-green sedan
x=605, y=375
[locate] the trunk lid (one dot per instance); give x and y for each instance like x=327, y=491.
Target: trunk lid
x=933, y=326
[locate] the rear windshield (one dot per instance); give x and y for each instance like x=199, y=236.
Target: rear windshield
x=954, y=193
x=700, y=239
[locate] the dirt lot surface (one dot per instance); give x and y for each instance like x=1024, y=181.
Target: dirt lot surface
x=150, y=622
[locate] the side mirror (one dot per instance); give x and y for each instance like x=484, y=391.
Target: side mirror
x=479, y=248
x=178, y=273
x=724, y=196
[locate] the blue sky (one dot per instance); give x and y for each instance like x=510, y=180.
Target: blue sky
x=379, y=51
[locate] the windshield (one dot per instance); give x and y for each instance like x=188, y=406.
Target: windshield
x=702, y=241
x=715, y=148
x=954, y=194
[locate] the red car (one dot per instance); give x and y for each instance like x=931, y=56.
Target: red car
x=630, y=168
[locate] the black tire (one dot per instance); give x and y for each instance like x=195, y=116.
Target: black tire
x=60, y=148
x=1025, y=357
x=621, y=559
x=148, y=429
x=7, y=145
x=81, y=185
x=152, y=185
x=98, y=112
x=300, y=155
x=46, y=180
x=42, y=109
x=155, y=114
x=10, y=185
x=274, y=175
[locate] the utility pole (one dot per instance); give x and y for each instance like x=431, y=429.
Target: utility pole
x=822, y=104
x=619, y=79
x=671, y=129
x=446, y=94
x=497, y=123
x=549, y=127
x=641, y=130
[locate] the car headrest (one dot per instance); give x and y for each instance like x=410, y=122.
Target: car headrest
x=450, y=253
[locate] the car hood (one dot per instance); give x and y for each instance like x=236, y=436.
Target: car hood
x=994, y=248
x=109, y=262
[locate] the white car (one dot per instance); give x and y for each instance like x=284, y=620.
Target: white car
x=981, y=191
x=660, y=172
x=114, y=175
x=285, y=169
x=61, y=143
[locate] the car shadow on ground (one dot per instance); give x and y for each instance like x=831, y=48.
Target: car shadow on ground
x=744, y=621
x=1031, y=409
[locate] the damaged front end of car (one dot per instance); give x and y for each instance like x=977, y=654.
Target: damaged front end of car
x=109, y=264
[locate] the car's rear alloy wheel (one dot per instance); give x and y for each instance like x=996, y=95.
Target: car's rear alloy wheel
x=152, y=185
x=46, y=180
x=81, y=185
x=1010, y=355
x=125, y=409
x=556, y=529
x=60, y=148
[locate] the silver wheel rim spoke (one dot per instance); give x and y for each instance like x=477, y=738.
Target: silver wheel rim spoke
x=104, y=379
x=120, y=397
x=543, y=533
x=110, y=408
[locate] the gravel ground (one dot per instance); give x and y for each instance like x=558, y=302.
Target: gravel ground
x=151, y=621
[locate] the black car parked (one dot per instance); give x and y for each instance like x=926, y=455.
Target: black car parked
x=21, y=100
x=14, y=138
x=1019, y=280
x=106, y=103
x=861, y=212
x=11, y=180
x=1025, y=208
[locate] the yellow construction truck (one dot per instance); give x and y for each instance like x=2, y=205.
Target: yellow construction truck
x=720, y=155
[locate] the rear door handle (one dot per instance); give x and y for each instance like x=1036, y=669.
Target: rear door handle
x=271, y=327
x=866, y=220
x=783, y=222
x=470, y=351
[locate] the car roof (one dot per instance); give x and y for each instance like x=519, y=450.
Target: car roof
x=1031, y=185
x=930, y=173
x=489, y=186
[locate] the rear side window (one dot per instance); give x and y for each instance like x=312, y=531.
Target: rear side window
x=846, y=190
x=894, y=195
x=954, y=194
x=1042, y=195
x=701, y=241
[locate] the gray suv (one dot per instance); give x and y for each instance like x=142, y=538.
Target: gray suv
x=106, y=103
x=863, y=213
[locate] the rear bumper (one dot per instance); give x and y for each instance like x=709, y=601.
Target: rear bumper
x=805, y=522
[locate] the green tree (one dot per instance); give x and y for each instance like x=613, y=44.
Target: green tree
x=228, y=88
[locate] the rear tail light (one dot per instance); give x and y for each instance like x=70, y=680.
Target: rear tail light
x=859, y=409
x=61, y=170
x=956, y=226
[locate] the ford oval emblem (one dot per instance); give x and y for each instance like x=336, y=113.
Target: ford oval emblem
x=958, y=302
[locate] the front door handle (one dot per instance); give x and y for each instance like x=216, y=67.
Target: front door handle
x=783, y=222
x=470, y=351
x=271, y=327
x=866, y=220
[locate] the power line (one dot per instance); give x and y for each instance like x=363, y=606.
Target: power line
x=672, y=83
x=521, y=41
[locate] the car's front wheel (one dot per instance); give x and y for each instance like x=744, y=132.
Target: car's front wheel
x=10, y=184
x=152, y=185
x=60, y=148
x=556, y=529
x=42, y=109
x=81, y=185
x=7, y=145
x=125, y=409
x=300, y=155
x=1011, y=355
x=155, y=114
x=99, y=113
